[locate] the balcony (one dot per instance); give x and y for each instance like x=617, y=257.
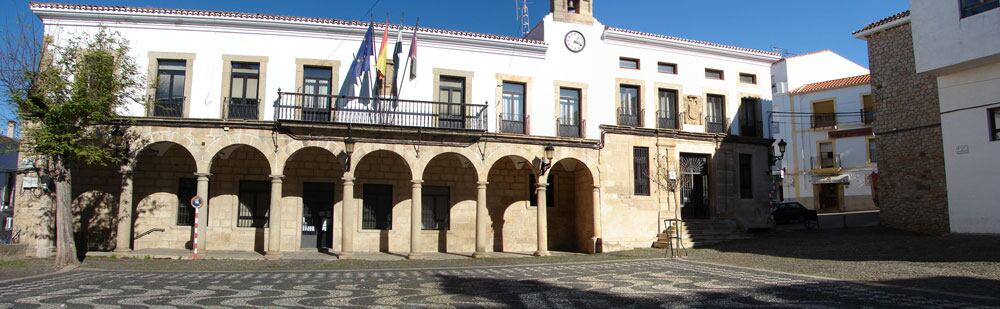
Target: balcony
x=867, y=117
x=628, y=118
x=512, y=123
x=824, y=120
x=828, y=164
x=716, y=124
x=666, y=121
x=292, y=106
x=569, y=127
x=242, y=108
x=168, y=107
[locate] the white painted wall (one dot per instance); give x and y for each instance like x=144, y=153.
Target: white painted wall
x=941, y=38
x=596, y=66
x=973, y=198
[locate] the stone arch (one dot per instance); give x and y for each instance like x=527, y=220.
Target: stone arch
x=216, y=147
x=292, y=148
x=509, y=200
x=466, y=154
x=449, y=203
x=163, y=177
x=364, y=150
x=571, y=212
x=310, y=197
x=448, y=155
x=384, y=175
x=239, y=197
x=150, y=138
x=517, y=154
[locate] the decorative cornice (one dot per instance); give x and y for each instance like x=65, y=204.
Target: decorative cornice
x=685, y=135
x=660, y=40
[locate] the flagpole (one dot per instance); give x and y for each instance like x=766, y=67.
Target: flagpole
x=406, y=68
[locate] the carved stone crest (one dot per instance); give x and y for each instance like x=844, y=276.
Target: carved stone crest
x=693, y=110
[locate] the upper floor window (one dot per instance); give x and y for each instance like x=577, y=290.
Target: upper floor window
x=827, y=159
x=569, y=112
x=748, y=78
x=628, y=113
x=994, y=124
x=628, y=63
x=973, y=7
x=749, y=117
x=746, y=176
x=714, y=74
x=451, y=92
x=667, y=114
x=867, y=109
x=823, y=114
x=316, y=89
x=170, y=80
x=715, y=121
x=666, y=68
x=513, y=117
x=243, y=92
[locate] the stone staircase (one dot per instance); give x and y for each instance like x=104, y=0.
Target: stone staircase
x=700, y=233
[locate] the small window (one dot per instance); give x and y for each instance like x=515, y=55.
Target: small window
x=867, y=109
x=640, y=170
x=994, y=124
x=748, y=78
x=973, y=7
x=871, y=151
x=628, y=63
x=746, y=176
x=573, y=6
x=714, y=74
x=436, y=207
x=824, y=115
x=255, y=203
x=186, y=189
x=827, y=159
x=666, y=68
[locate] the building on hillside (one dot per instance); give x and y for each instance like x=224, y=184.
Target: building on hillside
x=911, y=186
x=958, y=42
x=823, y=109
x=567, y=139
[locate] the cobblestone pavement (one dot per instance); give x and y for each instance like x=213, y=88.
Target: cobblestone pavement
x=638, y=283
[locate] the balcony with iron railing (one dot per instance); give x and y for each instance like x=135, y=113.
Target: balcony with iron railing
x=168, y=107
x=867, y=117
x=824, y=120
x=293, y=106
x=513, y=123
x=665, y=120
x=242, y=108
x=570, y=126
x=825, y=164
x=629, y=118
x=716, y=124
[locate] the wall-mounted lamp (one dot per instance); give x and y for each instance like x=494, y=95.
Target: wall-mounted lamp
x=781, y=148
x=348, y=151
x=550, y=153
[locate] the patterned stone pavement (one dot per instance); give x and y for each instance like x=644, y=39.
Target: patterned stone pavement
x=643, y=283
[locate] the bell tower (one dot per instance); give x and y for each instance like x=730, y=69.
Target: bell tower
x=573, y=11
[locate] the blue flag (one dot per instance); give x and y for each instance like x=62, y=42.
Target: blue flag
x=362, y=61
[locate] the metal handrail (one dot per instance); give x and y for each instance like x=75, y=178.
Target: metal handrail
x=150, y=231
x=296, y=106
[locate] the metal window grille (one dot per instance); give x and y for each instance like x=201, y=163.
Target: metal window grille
x=186, y=189
x=640, y=170
x=435, y=208
x=255, y=202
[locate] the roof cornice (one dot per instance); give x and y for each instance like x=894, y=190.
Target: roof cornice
x=691, y=45
x=60, y=13
x=900, y=18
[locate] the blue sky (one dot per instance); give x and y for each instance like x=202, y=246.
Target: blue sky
x=799, y=26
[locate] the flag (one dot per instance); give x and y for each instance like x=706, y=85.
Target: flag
x=362, y=60
x=413, y=52
x=380, y=65
x=395, y=60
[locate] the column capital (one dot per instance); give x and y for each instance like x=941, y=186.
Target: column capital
x=348, y=179
x=276, y=178
x=417, y=181
x=482, y=184
x=203, y=175
x=597, y=188
x=542, y=185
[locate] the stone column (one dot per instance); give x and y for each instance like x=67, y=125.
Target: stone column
x=482, y=220
x=349, y=216
x=274, y=219
x=123, y=240
x=202, y=190
x=416, y=213
x=596, y=201
x=543, y=224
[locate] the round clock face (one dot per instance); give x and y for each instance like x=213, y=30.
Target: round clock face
x=575, y=41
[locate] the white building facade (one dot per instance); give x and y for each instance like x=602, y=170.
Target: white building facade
x=258, y=114
x=958, y=42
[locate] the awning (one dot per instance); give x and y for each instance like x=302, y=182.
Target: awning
x=832, y=179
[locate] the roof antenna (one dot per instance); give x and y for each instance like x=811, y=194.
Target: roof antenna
x=521, y=8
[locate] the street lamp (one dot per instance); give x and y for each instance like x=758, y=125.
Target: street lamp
x=348, y=151
x=550, y=152
x=781, y=148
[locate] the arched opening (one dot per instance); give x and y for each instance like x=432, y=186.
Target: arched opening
x=96, y=191
x=382, y=182
x=448, y=213
x=239, y=203
x=163, y=183
x=310, y=200
x=510, y=202
x=571, y=211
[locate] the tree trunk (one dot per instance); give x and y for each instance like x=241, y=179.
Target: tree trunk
x=65, y=246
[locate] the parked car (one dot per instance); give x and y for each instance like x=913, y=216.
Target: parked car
x=788, y=212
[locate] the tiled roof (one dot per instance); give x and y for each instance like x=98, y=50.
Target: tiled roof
x=265, y=17
x=836, y=83
x=884, y=21
x=696, y=42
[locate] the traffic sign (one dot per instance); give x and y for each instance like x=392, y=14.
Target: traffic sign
x=196, y=202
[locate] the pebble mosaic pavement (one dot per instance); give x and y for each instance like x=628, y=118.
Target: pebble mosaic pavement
x=622, y=284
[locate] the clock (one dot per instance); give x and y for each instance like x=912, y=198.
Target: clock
x=575, y=41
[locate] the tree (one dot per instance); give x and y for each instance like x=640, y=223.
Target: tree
x=68, y=95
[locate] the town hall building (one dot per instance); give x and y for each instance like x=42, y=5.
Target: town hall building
x=576, y=137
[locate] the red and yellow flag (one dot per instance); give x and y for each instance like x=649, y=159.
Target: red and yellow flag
x=380, y=65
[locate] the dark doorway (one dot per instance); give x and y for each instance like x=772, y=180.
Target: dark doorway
x=694, y=186
x=829, y=196
x=317, y=215
x=377, y=207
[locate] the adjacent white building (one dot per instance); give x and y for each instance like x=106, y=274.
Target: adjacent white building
x=959, y=42
x=823, y=110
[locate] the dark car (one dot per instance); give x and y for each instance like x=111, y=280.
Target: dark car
x=787, y=212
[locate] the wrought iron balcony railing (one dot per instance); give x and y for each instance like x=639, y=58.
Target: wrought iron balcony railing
x=569, y=126
x=243, y=108
x=379, y=111
x=512, y=123
x=666, y=120
x=168, y=107
x=629, y=118
x=825, y=162
x=867, y=117
x=824, y=120
x=715, y=124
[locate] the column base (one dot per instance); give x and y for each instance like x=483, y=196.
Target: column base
x=541, y=253
x=479, y=255
x=344, y=256
x=272, y=256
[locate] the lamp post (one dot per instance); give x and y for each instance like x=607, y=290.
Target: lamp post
x=348, y=151
x=546, y=163
x=781, y=148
